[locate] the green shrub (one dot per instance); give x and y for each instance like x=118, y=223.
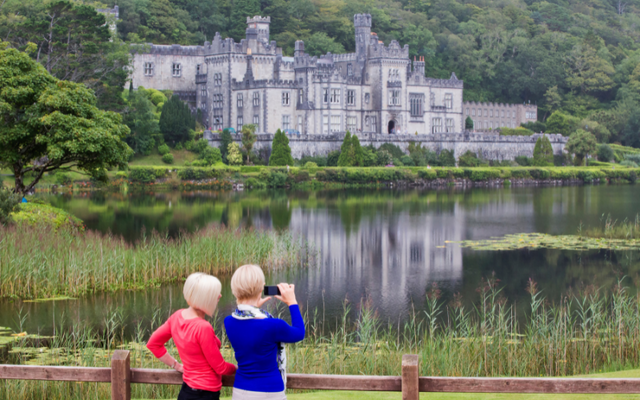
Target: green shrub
x=63, y=178
x=197, y=174
x=395, y=151
x=428, y=174
x=543, y=152
x=246, y=169
x=332, y=158
x=519, y=131
x=211, y=155
x=520, y=173
x=9, y=203
x=446, y=158
x=605, y=153
x=539, y=173
x=122, y=174
x=254, y=183
x=277, y=179
x=633, y=176
x=146, y=174
x=310, y=165
x=524, y=161
x=469, y=159
x=481, y=174
x=301, y=176
x=198, y=146
x=179, y=146
x=44, y=214
x=167, y=158
x=384, y=157
x=164, y=149
x=628, y=164
x=408, y=161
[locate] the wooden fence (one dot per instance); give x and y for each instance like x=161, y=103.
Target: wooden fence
x=410, y=383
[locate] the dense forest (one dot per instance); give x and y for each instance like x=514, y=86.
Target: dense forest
x=576, y=59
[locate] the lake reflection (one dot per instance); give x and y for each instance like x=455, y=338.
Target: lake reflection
x=382, y=245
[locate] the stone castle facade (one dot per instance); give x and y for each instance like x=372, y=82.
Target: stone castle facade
x=487, y=117
x=376, y=90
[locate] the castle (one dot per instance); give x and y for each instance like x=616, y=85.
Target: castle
x=376, y=90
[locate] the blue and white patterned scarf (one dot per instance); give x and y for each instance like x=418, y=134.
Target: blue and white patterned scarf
x=244, y=311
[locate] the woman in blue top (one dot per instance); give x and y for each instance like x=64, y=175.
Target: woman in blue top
x=258, y=338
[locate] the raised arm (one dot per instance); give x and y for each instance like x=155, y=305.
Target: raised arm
x=290, y=333
x=212, y=352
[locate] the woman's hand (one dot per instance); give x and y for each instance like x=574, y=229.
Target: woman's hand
x=178, y=367
x=262, y=301
x=287, y=294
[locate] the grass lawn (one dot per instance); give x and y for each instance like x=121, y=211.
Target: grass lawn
x=330, y=395
x=155, y=159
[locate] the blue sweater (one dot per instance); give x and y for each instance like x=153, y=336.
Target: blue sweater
x=255, y=342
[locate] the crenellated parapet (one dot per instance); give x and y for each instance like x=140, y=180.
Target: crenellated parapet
x=264, y=84
x=379, y=50
x=170, y=50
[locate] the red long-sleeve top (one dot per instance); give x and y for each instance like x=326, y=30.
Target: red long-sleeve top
x=199, y=350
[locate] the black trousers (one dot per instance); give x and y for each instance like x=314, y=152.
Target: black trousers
x=187, y=393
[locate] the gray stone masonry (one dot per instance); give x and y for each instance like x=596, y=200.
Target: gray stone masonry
x=489, y=147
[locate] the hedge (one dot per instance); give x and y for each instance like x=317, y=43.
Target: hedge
x=147, y=174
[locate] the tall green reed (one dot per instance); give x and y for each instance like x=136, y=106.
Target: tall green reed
x=36, y=262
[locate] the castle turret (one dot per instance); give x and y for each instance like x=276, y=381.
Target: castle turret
x=299, y=49
x=258, y=28
x=418, y=66
x=362, y=25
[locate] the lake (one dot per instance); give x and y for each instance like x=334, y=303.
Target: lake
x=378, y=245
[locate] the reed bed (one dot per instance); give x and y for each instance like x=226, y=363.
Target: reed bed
x=585, y=333
x=614, y=229
x=37, y=262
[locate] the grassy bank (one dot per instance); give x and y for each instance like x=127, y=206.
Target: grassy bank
x=37, y=262
x=588, y=332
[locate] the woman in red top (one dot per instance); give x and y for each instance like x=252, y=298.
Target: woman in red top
x=197, y=343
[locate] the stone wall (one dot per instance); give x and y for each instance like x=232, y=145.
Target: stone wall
x=490, y=147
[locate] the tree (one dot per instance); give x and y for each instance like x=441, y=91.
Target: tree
x=358, y=153
x=468, y=124
x=320, y=43
x=176, y=121
x=9, y=203
x=225, y=140
x=240, y=11
x=588, y=71
x=142, y=123
x=561, y=123
x=631, y=130
x=234, y=155
x=581, y=143
x=347, y=156
x=446, y=158
x=332, y=158
x=248, y=139
x=50, y=124
x=280, y=150
x=543, y=152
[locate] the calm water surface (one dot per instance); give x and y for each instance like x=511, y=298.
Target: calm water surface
x=378, y=245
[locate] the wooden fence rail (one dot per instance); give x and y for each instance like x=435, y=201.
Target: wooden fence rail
x=409, y=383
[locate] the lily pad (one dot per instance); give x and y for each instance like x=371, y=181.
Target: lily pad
x=541, y=240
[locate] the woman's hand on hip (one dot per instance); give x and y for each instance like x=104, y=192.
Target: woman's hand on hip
x=287, y=294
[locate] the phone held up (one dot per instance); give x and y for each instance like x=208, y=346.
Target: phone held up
x=271, y=291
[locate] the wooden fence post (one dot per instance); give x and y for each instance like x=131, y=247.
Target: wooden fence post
x=120, y=375
x=410, y=374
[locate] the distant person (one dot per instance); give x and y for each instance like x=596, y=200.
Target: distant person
x=258, y=338
x=24, y=199
x=197, y=343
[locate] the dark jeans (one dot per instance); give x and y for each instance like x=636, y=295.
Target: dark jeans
x=186, y=393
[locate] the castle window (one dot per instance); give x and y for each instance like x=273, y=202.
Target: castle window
x=199, y=69
x=531, y=115
x=256, y=122
x=203, y=91
x=256, y=99
x=394, y=97
x=240, y=100
x=300, y=96
x=491, y=113
x=240, y=123
x=217, y=79
x=415, y=101
x=367, y=96
x=335, y=123
x=299, y=127
x=148, y=69
x=436, y=125
x=217, y=101
x=473, y=112
x=486, y=112
x=285, y=98
x=349, y=69
x=351, y=97
x=286, y=122
x=325, y=95
x=217, y=122
x=448, y=100
x=467, y=112
x=325, y=124
x=351, y=124
x=502, y=114
x=374, y=123
x=335, y=96
x=450, y=125
x=176, y=70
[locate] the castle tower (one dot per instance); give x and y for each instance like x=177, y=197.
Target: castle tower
x=258, y=28
x=362, y=24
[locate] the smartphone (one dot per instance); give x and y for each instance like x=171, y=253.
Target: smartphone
x=271, y=290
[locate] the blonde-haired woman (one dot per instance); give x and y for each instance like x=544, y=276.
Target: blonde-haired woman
x=197, y=343
x=257, y=338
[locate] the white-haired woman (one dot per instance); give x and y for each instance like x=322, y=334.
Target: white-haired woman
x=257, y=338
x=197, y=343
